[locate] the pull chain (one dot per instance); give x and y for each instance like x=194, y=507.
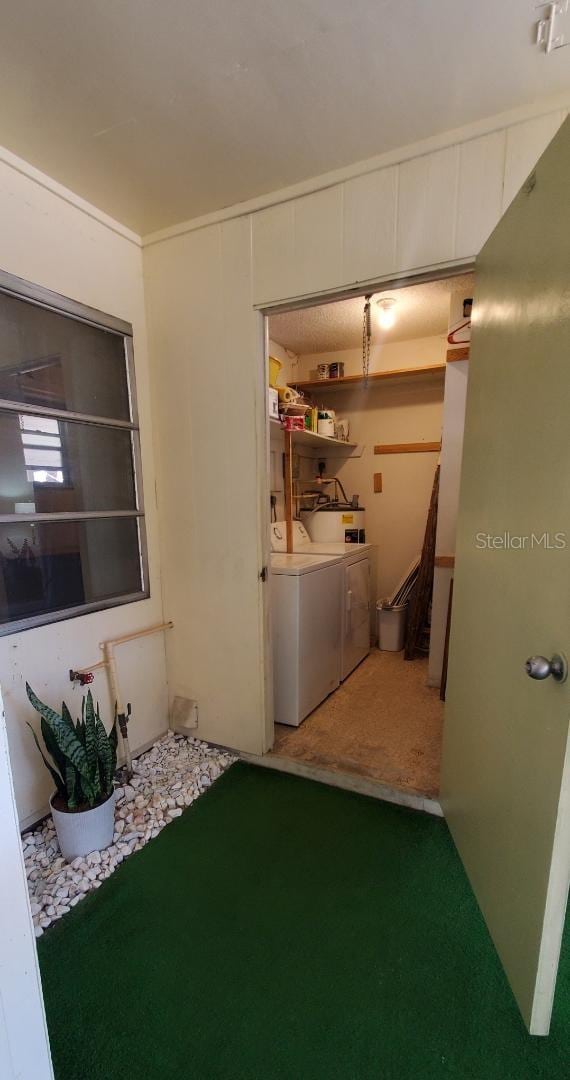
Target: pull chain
x=366, y=338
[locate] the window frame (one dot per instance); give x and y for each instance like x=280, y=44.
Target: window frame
x=52, y=485
x=62, y=305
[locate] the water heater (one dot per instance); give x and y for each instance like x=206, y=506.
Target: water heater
x=331, y=524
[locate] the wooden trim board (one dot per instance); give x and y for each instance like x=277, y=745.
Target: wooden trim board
x=453, y=355
x=445, y=561
x=408, y=448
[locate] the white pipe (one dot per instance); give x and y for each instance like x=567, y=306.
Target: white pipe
x=111, y=665
x=109, y=654
x=109, y=662
x=120, y=640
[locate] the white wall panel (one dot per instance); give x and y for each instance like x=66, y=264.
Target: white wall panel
x=318, y=241
x=24, y=1047
x=245, y=427
x=526, y=142
x=202, y=332
x=447, y=206
x=369, y=220
x=480, y=192
x=48, y=240
x=426, y=209
x=273, y=253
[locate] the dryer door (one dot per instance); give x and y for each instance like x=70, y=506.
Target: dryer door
x=356, y=615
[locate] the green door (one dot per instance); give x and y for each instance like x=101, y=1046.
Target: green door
x=506, y=759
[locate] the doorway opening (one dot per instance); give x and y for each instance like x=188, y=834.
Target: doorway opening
x=366, y=413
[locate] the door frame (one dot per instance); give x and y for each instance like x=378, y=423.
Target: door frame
x=24, y=1044
x=263, y=312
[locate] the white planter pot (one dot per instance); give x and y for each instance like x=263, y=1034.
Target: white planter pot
x=89, y=830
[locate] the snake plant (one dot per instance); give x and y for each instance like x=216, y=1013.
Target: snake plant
x=84, y=756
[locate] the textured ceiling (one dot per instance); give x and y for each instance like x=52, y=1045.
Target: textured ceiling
x=160, y=110
x=421, y=311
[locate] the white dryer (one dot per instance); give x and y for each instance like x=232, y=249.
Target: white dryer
x=306, y=632
x=355, y=587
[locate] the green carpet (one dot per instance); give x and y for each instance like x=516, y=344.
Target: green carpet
x=284, y=929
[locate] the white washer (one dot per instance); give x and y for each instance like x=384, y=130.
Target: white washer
x=306, y=632
x=355, y=586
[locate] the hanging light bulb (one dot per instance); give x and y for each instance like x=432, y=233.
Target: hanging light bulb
x=386, y=312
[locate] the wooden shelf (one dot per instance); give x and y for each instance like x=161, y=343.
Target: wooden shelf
x=311, y=438
x=375, y=377
x=459, y=353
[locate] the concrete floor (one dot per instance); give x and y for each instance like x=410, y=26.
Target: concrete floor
x=383, y=723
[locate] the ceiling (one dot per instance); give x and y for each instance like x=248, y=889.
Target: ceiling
x=157, y=111
x=421, y=310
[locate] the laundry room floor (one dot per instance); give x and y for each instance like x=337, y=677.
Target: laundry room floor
x=383, y=723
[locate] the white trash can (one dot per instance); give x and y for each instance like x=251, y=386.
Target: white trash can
x=391, y=625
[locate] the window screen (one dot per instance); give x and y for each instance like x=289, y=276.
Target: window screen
x=72, y=533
